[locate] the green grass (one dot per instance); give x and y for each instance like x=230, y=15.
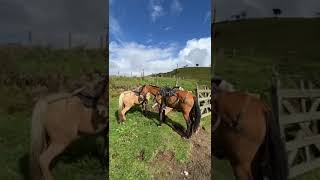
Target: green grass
x=80, y=160
x=140, y=133
x=270, y=36
x=201, y=74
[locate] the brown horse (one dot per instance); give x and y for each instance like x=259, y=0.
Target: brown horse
x=245, y=133
x=183, y=101
x=59, y=119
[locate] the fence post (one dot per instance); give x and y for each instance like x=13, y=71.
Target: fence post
x=70, y=40
x=30, y=38
x=101, y=42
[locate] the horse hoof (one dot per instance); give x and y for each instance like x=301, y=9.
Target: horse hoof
x=197, y=130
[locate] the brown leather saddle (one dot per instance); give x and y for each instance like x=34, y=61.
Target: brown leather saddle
x=90, y=96
x=166, y=93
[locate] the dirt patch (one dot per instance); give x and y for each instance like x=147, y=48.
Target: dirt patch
x=198, y=166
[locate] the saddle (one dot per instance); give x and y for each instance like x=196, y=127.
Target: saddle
x=166, y=93
x=86, y=98
x=89, y=96
x=137, y=91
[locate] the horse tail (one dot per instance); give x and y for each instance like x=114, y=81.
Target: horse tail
x=197, y=112
x=120, y=106
x=38, y=138
x=276, y=152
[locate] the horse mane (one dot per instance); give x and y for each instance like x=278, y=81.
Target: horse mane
x=154, y=86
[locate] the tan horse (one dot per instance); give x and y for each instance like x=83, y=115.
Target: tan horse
x=183, y=101
x=128, y=99
x=59, y=119
x=245, y=133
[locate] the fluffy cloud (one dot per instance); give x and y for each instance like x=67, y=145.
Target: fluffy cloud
x=115, y=28
x=127, y=58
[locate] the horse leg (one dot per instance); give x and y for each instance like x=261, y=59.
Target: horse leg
x=144, y=107
x=123, y=112
x=54, y=149
x=105, y=152
x=242, y=171
x=189, y=125
x=160, y=117
x=164, y=115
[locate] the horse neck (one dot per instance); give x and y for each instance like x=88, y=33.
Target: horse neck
x=154, y=90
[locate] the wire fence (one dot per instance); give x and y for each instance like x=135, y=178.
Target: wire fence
x=55, y=40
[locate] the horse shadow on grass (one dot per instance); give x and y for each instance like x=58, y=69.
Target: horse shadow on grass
x=175, y=126
x=80, y=149
x=154, y=116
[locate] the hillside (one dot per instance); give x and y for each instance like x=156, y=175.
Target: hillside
x=201, y=74
x=272, y=36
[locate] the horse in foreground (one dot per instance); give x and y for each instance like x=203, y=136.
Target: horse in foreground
x=59, y=119
x=127, y=100
x=174, y=98
x=245, y=133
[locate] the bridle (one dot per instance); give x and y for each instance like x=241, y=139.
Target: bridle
x=144, y=96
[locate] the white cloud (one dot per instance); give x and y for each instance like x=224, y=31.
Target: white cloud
x=114, y=28
x=207, y=17
x=127, y=58
x=176, y=6
x=156, y=9
x=197, y=51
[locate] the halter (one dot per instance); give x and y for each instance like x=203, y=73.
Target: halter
x=144, y=99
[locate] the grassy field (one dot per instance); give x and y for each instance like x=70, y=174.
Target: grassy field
x=253, y=73
x=135, y=144
x=271, y=36
x=25, y=74
x=201, y=74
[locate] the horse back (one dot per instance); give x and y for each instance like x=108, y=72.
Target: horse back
x=130, y=97
x=185, y=98
x=233, y=102
x=56, y=97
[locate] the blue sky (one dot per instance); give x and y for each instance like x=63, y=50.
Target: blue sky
x=144, y=33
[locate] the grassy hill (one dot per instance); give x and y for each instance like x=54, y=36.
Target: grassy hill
x=201, y=74
x=25, y=74
x=272, y=38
